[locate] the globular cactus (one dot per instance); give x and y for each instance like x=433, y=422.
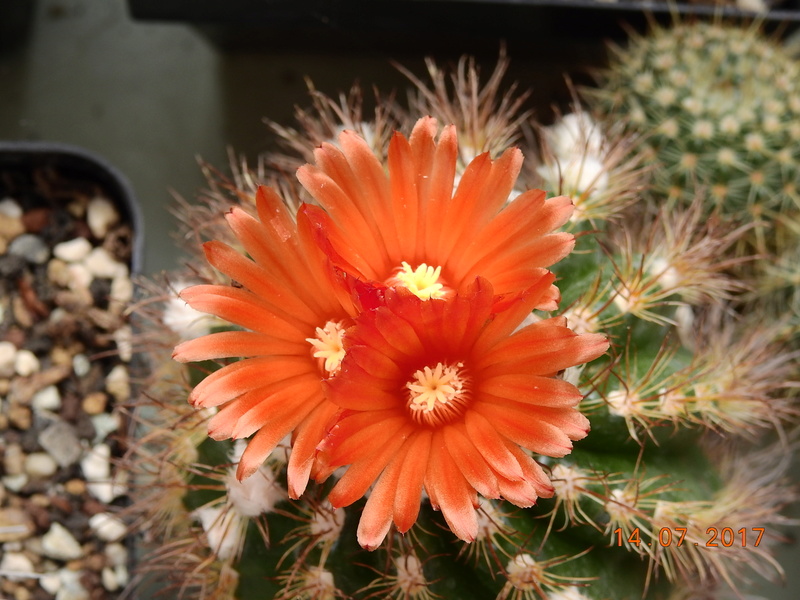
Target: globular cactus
x=429, y=411
x=721, y=109
x=717, y=107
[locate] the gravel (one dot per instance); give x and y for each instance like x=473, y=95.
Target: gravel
x=65, y=348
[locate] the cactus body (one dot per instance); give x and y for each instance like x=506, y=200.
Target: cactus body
x=682, y=407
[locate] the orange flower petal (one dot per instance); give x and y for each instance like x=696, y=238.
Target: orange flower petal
x=352, y=247
x=242, y=308
x=304, y=447
x=454, y=496
x=271, y=291
x=529, y=217
x=352, y=438
x=403, y=192
x=374, y=186
x=460, y=208
x=524, y=429
x=544, y=348
x=228, y=344
x=242, y=376
x=534, y=474
x=376, y=518
x=471, y=463
x=351, y=393
x=251, y=410
x=359, y=476
x=407, y=498
x=533, y=389
x=265, y=441
x=492, y=445
x=442, y=176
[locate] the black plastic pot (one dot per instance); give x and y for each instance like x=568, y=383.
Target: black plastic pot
x=72, y=162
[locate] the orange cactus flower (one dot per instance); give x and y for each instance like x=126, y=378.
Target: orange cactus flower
x=411, y=226
x=444, y=395
x=295, y=317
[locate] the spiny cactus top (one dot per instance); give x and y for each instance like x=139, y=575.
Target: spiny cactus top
x=721, y=107
x=384, y=361
x=390, y=330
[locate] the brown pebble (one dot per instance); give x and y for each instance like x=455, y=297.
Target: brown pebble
x=40, y=500
x=95, y=562
x=22, y=593
x=61, y=356
x=20, y=311
x=93, y=507
x=75, y=565
x=20, y=416
x=61, y=503
x=15, y=525
x=10, y=227
x=16, y=336
x=36, y=219
x=5, y=386
x=95, y=403
x=40, y=516
x=75, y=487
x=70, y=406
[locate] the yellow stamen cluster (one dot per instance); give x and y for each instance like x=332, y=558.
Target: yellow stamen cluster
x=435, y=394
x=329, y=346
x=423, y=281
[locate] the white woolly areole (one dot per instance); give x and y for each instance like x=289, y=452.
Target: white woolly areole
x=576, y=175
x=575, y=133
x=258, y=494
x=223, y=528
x=181, y=318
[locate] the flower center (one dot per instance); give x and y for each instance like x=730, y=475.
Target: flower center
x=422, y=281
x=437, y=395
x=328, y=346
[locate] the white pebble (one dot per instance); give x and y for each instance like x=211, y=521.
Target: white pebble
x=58, y=543
x=101, y=264
x=116, y=554
x=48, y=398
x=50, y=582
x=13, y=459
x=30, y=247
x=15, y=483
x=10, y=208
x=26, y=363
x=109, y=579
x=7, y=353
x=15, y=566
x=96, y=467
x=81, y=365
x=105, y=424
x=40, y=465
x=70, y=586
x=123, y=338
x=73, y=250
x=101, y=216
x=121, y=571
x=80, y=276
x=122, y=289
x=107, y=527
x=118, y=383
